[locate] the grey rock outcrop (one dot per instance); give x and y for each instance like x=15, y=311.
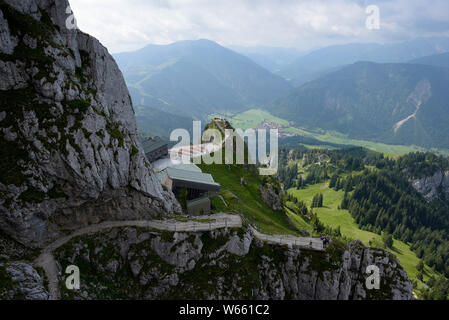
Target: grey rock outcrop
x=24, y=282
x=228, y=264
x=270, y=197
x=432, y=187
x=71, y=154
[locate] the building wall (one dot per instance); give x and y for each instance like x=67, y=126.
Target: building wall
x=201, y=208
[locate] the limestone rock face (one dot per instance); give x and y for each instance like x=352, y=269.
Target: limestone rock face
x=71, y=155
x=431, y=187
x=228, y=264
x=270, y=197
x=24, y=281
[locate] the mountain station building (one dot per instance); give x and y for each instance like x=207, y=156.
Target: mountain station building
x=200, y=186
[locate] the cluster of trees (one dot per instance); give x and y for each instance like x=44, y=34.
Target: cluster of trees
x=288, y=175
x=320, y=166
x=301, y=209
x=438, y=289
x=387, y=240
x=319, y=227
x=422, y=164
x=345, y=184
x=317, y=201
x=298, y=207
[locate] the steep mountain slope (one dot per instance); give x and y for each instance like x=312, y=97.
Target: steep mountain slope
x=197, y=78
x=321, y=61
x=71, y=155
x=160, y=123
x=438, y=60
x=392, y=103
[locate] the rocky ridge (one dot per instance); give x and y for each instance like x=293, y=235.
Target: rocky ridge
x=133, y=263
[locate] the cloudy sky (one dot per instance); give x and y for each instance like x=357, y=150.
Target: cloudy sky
x=126, y=25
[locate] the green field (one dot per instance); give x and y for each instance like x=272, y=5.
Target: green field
x=331, y=216
x=252, y=118
x=338, y=138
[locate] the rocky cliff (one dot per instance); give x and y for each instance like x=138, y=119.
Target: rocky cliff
x=270, y=197
x=131, y=263
x=71, y=155
x=433, y=187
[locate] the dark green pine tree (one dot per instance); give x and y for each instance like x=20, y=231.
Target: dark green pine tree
x=345, y=202
x=299, y=183
x=333, y=182
x=348, y=185
x=338, y=184
x=317, y=201
x=387, y=239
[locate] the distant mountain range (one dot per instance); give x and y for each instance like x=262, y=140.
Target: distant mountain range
x=398, y=103
x=271, y=58
x=438, y=60
x=197, y=78
x=328, y=59
x=392, y=103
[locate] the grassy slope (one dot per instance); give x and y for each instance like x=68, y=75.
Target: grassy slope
x=246, y=199
x=330, y=215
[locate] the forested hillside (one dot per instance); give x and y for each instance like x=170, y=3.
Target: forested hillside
x=381, y=196
x=404, y=104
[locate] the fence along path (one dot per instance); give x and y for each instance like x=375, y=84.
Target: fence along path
x=291, y=241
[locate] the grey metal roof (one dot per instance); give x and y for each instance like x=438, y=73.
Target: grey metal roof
x=153, y=144
x=188, y=167
x=193, y=179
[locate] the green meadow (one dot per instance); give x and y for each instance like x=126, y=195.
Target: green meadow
x=330, y=215
x=252, y=118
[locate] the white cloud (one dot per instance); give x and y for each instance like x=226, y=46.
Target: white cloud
x=124, y=25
